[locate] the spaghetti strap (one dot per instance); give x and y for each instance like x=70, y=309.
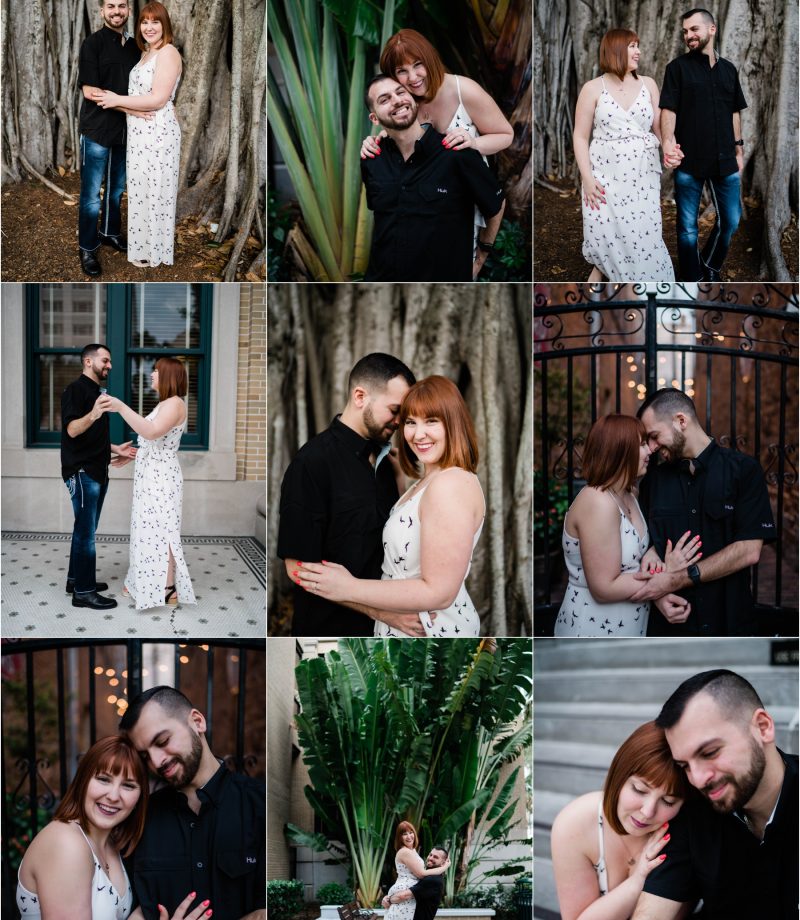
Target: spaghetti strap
x=458, y=90
x=603, y=81
x=619, y=507
x=88, y=842
x=600, y=868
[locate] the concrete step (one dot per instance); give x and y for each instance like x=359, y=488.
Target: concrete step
x=556, y=654
x=545, y=901
x=570, y=767
x=605, y=723
x=777, y=687
x=546, y=806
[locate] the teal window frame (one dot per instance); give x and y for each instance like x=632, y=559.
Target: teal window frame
x=119, y=300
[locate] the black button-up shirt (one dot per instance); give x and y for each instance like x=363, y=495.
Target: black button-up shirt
x=90, y=451
x=219, y=853
x=428, y=895
x=105, y=62
x=334, y=504
x=425, y=210
x=715, y=857
x=704, y=99
x=724, y=501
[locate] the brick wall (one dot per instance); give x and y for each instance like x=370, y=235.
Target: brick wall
x=251, y=406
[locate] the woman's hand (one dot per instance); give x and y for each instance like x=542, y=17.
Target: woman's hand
x=113, y=404
x=181, y=913
x=651, y=856
x=106, y=99
x=460, y=139
x=678, y=558
x=327, y=579
x=593, y=193
x=371, y=146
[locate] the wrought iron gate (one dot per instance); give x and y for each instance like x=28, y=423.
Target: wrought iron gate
x=604, y=348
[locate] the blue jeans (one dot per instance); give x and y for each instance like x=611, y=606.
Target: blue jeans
x=694, y=265
x=87, y=503
x=100, y=164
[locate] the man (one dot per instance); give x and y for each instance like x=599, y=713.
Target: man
x=424, y=196
x=86, y=450
x=737, y=850
x=205, y=830
x=106, y=59
x=701, y=103
x=337, y=494
x=712, y=491
x=428, y=890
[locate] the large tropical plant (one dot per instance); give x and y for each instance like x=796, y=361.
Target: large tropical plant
x=417, y=730
x=319, y=120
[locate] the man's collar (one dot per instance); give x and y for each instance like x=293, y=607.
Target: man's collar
x=701, y=461
x=427, y=142
x=358, y=444
x=212, y=790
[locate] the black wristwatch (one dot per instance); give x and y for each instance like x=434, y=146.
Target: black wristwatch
x=485, y=247
x=694, y=573
x=739, y=143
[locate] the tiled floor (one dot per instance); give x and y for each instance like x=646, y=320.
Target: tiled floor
x=228, y=576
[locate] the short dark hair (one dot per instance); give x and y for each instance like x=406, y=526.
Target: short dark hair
x=441, y=849
x=704, y=13
x=376, y=370
x=370, y=83
x=735, y=696
x=89, y=351
x=667, y=402
x=172, y=701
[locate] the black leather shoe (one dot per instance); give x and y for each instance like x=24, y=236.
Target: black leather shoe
x=94, y=600
x=100, y=586
x=115, y=242
x=89, y=264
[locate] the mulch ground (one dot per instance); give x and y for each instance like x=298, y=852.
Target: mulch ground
x=40, y=242
x=558, y=237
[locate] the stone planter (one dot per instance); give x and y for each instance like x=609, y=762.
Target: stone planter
x=331, y=912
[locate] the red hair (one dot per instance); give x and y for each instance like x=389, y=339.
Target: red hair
x=408, y=47
x=612, y=449
x=614, y=52
x=172, y=378
x=438, y=397
x=114, y=755
x=402, y=827
x=154, y=11
x=645, y=754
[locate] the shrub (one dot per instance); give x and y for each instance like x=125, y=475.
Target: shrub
x=284, y=898
x=334, y=893
x=500, y=898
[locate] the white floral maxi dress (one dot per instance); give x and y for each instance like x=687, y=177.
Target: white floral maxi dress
x=153, y=157
x=623, y=238
x=404, y=910
x=156, y=521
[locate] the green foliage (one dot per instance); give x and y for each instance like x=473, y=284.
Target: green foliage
x=334, y=893
x=503, y=899
x=394, y=730
x=548, y=516
x=284, y=898
x=510, y=260
x=279, y=220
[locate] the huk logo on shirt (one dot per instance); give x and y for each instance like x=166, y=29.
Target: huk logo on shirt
x=442, y=190
x=250, y=860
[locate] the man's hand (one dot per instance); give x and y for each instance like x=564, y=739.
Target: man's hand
x=740, y=159
x=102, y=404
x=118, y=461
x=477, y=265
x=385, y=902
x=656, y=585
x=124, y=450
x=675, y=609
x=406, y=622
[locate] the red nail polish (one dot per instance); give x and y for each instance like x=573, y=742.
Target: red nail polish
x=666, y=837
x=206, y=903
x=665, y=826
x=299, y=563
x=662, y=857
x=209, y=913
x=193, y=894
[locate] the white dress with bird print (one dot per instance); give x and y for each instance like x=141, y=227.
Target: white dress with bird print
x=403, y=910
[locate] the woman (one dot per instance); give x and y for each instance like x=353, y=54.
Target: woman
x=605, y=536
x=454, y=105
x=620, y=171
x=605, y=844
x=73, y=867
x=154, y=145
x=431, y=532
x=156, y=564
x=410, y=869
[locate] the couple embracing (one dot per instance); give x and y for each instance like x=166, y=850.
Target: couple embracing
x=682, y=534
x=379, y=541
x=194, y=848
x=128, y=129
x=696, y=120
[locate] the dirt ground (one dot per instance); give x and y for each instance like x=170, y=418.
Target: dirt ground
x=558, y=237
x=40, y=242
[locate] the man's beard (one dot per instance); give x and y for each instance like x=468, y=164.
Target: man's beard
x=375, y=431
x=407, y=121
x=188, y=766
x=744, y=787
x=675, y=450
x=701, y=43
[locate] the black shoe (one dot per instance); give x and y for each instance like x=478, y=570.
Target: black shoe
x=713, y=274
x=115, y=242
x=89, y=264
x=100, y=586
x=94, y=600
